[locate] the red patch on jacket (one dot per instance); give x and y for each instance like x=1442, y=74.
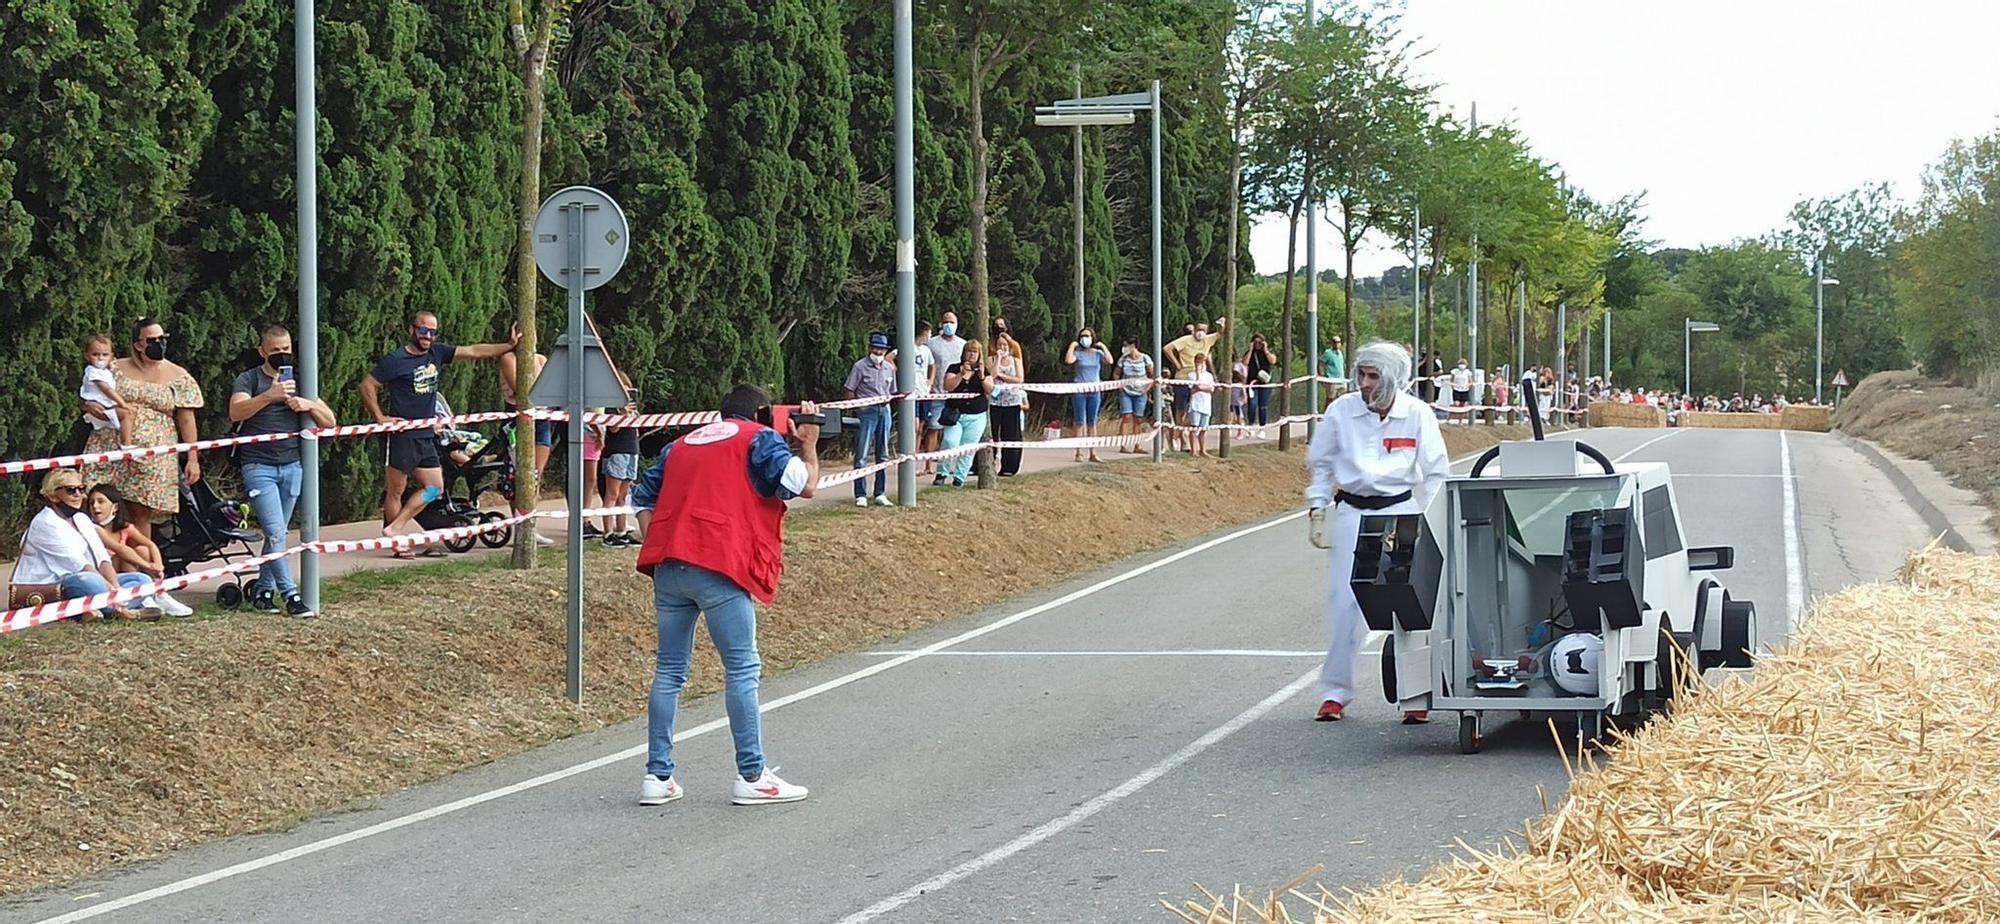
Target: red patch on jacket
x=1393, y=443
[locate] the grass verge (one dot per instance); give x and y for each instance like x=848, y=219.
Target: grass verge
x=1955, y=428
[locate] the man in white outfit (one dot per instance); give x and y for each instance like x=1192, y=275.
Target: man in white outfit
x=1376, y=451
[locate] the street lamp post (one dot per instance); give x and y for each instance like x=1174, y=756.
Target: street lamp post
x=906, y=250
x=1689, y=328
x=1123, y=109
x=1819, y=329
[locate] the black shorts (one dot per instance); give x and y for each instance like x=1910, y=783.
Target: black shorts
x=1181, y=395
x=408, y=452
x=1461, y=397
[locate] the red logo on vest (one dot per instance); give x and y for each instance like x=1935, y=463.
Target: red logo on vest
x=710, y=516
x=1393, y=443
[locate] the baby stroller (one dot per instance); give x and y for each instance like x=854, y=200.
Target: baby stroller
x=488, y=467
x=207, y=527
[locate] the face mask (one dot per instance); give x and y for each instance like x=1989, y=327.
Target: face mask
x=279, y=360
x=1084, y=341
x=947, y=329
x=156, y=351
x=878, y=358
x=101, y=363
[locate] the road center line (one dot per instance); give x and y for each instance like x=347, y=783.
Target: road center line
x=1795, y=570
x=1083, y=812
x=458, y=805
x=1108, y=653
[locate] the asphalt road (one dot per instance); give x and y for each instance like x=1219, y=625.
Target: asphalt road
x=1076, y=754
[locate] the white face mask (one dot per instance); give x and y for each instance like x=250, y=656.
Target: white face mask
x=1083, y=341
x=101, y=363
x=878, y=358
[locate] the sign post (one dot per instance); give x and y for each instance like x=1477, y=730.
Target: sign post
x=1839, y=383
x=581, y=240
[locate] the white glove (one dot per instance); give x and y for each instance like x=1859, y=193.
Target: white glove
x=1316, y=528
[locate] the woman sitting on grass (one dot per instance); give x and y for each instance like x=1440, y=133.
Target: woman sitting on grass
x=131, y=550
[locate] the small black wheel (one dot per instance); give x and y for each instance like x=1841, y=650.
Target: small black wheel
x=229, y=596
x=496, y=538
x=1739, y=618
x=1389, y=669
x=1468, y=733
x=460, y=544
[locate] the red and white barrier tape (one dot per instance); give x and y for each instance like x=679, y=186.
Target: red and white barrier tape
x=148, y=452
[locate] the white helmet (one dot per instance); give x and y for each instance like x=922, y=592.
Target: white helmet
x=1573, y=663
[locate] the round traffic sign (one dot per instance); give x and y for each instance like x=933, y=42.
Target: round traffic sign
x=602, y=231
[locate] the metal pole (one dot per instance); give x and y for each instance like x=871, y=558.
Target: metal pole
x=1472, y=281
x=1819, y=331
x=906, y=254
x=306, y=142
x=1562, y=351
x=1416, y=293
x=1521, y=329
x=1313, y=407
x=1607, y=344
x=577, y=352
x=1076, y=167
x=1687, y=357
x=1159, y=409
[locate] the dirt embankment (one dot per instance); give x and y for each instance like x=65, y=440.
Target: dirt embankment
x=124, y=741
x=1953, y=427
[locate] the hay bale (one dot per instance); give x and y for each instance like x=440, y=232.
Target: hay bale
x=1626, y=414
x=1848, y=779
x=1806, y=417
x=1725, y=420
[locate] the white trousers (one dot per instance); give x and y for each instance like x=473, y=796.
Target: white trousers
x=1346, y=630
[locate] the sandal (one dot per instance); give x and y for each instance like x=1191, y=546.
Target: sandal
x=404, y=554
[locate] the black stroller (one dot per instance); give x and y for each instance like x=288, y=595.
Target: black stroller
x=209, y=527
x=488, y=468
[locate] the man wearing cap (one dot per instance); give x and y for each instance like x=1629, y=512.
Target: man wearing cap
x=873, y=376
x=713, y=513
x=1377, y=452
x=1333, y=361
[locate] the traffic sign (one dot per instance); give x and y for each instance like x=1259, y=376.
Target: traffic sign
x=605, y=236
x=1840, y=378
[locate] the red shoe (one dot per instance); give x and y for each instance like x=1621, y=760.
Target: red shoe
x=1416, y=717
x=1329, y=711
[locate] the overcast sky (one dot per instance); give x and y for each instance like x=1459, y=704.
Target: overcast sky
x=1724, y=113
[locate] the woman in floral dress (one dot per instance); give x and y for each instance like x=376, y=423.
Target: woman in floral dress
x=163, y=399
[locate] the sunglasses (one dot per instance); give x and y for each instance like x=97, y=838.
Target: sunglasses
x=426, y=331
x=160, y=339
x=71, y=489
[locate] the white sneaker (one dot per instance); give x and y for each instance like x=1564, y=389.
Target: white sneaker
x=882, y=500
x=544, y=541
x=766, y=790
x=656, y=791
x=861, y=502
x=171, y=606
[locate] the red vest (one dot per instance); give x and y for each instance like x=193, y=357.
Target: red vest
x=708, y=515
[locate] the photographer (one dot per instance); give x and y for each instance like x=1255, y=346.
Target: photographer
x=714, y=538
x=964, y=416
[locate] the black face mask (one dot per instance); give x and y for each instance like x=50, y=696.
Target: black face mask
x=279, y=360
x=156, y=351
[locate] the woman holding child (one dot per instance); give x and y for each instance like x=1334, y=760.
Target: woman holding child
x=161, y=398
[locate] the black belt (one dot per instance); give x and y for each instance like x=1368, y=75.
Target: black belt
x=1370, y=501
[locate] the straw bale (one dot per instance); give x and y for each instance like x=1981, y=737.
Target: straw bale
x=1626, y=414
x=1726, y=420
x=1806, y=417
x=1848, y=779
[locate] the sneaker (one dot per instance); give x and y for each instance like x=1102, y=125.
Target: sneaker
x=938, y=480
x=591, y=532
x=1416, y=717
x=544, y=541
x=656, y=791
x=631, y=538
x=958, y=482
x=882, y=500
x=616, y=540
x=295, y=606
x=766, y=789
x=1329, y=711
x=861, y=502
x=264, y=602
x=171, y=606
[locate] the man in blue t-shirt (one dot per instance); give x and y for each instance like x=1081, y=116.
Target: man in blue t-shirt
x=409, y=375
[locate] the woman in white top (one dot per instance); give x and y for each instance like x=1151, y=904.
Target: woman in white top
x=62, y=551
x=1009, y=402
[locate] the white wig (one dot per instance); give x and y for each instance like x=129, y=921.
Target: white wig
x=1389, y=361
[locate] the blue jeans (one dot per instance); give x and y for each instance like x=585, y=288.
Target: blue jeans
x=968, y=430
x=682, y=592
x=1086, y=406
x=1260, y=404
x=871, y=444
x=90, y=583
x=274, y=492
x=1132, y=405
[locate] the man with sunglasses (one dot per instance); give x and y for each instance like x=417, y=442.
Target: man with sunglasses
x=410, y=375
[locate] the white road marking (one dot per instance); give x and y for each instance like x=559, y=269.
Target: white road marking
x=403, y=821
x=1795, y=571
x=1107, y=653
x=1085, y=811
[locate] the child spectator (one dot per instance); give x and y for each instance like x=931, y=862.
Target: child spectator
x=99, y=393
x=131, y=550
x=620, y=467
x=1201, y=401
